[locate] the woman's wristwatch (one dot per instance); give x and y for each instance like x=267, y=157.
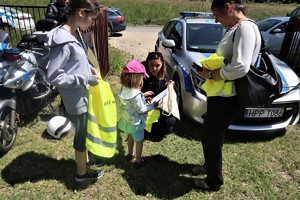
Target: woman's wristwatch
x=210, y=76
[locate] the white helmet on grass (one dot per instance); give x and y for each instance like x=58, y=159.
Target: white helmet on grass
x=58, y=127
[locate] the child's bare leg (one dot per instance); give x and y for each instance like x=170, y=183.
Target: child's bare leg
x=130, y=143
x=87, y=156
x=139, y=150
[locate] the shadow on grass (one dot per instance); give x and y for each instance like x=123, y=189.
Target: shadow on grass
x=34, y=167
x=40, y=106
x=159, y=177
x=187, y=128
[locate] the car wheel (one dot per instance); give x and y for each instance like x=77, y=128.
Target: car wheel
x=109, y=33
x=177, y=88
x=156, y=46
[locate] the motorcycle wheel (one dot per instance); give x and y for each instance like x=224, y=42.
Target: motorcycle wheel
x=7, y=135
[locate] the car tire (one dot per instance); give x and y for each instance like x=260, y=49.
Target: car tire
x=109, y=31
x=177, y=88
x=156, y=46
x=7, y=132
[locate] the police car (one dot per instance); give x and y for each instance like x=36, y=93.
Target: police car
x=194, y=36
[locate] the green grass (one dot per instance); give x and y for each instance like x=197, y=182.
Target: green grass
x=158, y=12
x=117, y=59
x=26, y=2
x=256, y=165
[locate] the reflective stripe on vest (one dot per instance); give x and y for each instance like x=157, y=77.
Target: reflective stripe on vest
x=104, y=130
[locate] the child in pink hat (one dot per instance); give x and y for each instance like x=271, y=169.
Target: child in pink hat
x=134, y=108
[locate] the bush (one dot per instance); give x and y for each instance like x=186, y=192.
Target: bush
x=117, y=60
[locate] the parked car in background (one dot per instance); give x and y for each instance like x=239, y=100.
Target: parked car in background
x=14, y=18
x=190, y=38
x=294, y=13
x=273, y=32
x=115, y=20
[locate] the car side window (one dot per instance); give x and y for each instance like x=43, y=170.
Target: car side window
x=168, y=29
x=176, y=34
x=109, y=13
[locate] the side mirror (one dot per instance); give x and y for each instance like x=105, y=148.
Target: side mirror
x=277, y=30
x=168, y=43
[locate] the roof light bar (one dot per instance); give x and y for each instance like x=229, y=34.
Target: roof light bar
x=207, y=15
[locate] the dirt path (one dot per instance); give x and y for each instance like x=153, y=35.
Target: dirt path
x=137, y=40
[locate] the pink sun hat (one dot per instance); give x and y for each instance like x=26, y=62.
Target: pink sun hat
x=135, y=67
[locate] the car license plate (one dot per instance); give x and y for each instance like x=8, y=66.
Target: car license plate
x=263, y=112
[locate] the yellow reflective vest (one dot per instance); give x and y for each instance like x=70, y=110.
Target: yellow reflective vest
x=102, y=121
x=214, y=87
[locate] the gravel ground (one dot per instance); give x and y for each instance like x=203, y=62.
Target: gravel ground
x=137, y=40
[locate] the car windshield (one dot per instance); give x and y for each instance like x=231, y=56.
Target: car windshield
x=114, y=10
x=118, y=12
x=267, y=24
x=204, y=37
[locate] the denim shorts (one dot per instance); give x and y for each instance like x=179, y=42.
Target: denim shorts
x=136, y=131
x=80, y=124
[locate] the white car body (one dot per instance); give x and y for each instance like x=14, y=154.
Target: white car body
x=192, y=98
x=17, y=19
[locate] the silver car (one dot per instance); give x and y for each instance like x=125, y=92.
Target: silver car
x=273, y=31
x=189, y=39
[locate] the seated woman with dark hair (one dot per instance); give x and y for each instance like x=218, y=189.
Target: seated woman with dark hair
x=157, y=82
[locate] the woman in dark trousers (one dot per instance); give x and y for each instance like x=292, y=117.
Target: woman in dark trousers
x=157, y=82
x=240, y=46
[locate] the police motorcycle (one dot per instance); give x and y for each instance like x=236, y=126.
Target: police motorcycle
x=23, y=86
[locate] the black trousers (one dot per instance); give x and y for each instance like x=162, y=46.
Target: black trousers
x=221, y=111
x=163, y=126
